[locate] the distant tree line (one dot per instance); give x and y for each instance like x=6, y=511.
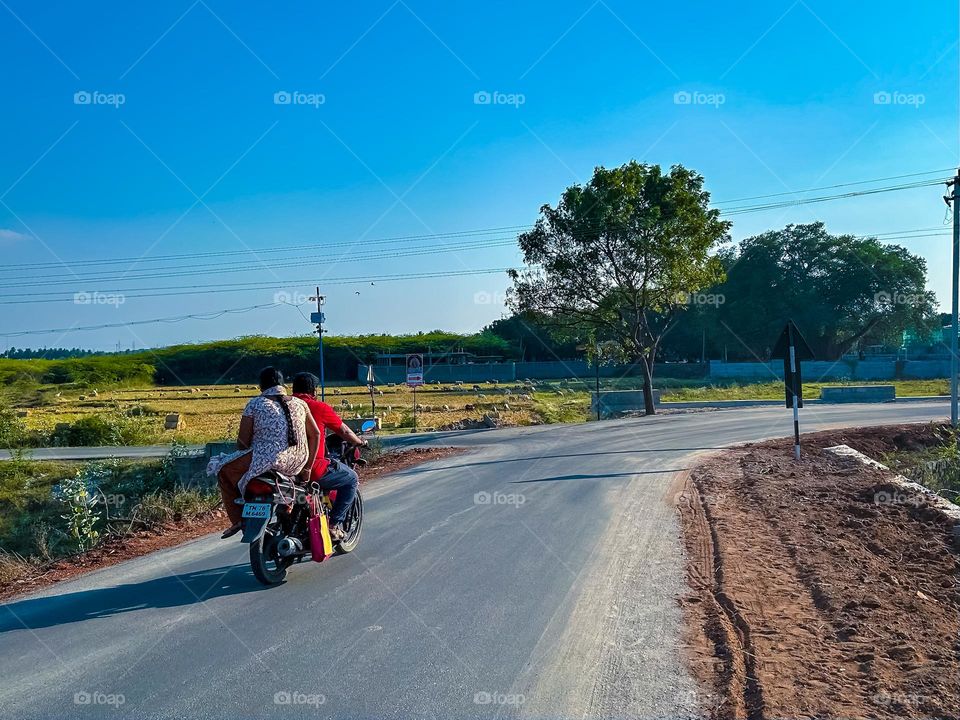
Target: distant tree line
x=15, y=353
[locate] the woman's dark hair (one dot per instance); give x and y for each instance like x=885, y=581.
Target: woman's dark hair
x=270, y=377
x=305, y=383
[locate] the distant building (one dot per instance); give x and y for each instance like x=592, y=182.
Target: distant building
x=457, y=357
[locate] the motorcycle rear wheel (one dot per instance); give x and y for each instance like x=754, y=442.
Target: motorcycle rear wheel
x=268, y=567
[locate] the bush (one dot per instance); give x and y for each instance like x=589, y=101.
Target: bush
x=13, y=431
x=178, y=504
x=103, y=429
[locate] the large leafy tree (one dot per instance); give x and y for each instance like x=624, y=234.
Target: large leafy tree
x=843, y=291
x=620, y=256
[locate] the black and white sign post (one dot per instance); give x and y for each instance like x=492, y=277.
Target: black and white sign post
x=792, y=348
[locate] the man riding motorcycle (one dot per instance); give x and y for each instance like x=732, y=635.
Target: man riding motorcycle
x=329, y=473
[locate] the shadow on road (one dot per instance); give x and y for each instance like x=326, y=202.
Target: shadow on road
x=457, y=466
x=166, y=592
x=603, y=476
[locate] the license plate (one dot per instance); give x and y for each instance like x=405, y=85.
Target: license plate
x=259, y=511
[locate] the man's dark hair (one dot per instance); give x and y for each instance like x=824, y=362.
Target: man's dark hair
x=305, y=383
x=269, y=377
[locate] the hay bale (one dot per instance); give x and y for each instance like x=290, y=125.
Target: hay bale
x=173, y=421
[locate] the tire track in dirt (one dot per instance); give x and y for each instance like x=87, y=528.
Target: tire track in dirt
x=726, y=628
x=812, y=598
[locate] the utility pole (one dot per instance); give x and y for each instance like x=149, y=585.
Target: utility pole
x=951, y=199
x=318, y=318
x=596, y=362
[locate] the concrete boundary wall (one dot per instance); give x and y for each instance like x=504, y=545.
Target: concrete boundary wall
x=858, y=393
x=820, y=370
x=813, y=371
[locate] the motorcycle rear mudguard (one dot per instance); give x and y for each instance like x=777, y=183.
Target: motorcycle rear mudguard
x=253, y=528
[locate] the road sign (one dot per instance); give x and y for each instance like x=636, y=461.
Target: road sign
x=793, y=348
x=414, y=369
x=791, y=339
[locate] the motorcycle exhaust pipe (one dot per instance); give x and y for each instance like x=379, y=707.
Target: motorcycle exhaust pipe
x=289, y=546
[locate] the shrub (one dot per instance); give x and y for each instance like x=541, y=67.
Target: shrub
x=178, y=504
x=13, y=431
x=104, y=429
x=79, y=495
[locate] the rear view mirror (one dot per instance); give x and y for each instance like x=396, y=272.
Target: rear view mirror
x=368, y=426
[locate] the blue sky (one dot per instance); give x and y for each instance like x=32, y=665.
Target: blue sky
x=185, y=149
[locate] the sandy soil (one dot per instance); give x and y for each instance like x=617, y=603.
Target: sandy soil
x=114, y=550
x=814, y=595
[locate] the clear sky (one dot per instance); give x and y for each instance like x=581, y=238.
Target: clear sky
x=142, y=130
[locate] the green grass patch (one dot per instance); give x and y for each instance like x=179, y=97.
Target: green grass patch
x=128, y=495
x=571, y=407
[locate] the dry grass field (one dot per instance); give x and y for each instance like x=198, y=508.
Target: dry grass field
x=212, y=412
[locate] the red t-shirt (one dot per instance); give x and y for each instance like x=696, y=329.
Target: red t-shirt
x=327, y=419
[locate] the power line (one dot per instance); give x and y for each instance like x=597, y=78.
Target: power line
x=833, y=187
x=170, y=320
x=808, y=201
x=456, y=234
x=207, y=288
x=265, y=251
x=303, y=262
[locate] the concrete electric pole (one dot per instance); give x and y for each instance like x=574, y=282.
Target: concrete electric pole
x=951, y=199
x=318, y=318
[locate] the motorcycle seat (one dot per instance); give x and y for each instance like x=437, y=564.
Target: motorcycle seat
x=272, y=477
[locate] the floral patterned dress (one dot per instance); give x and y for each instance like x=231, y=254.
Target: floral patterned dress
x=269, y=445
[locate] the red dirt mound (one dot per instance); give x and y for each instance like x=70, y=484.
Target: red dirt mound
x=811, y=598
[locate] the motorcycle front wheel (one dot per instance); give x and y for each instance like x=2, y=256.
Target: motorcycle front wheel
x=352, y=525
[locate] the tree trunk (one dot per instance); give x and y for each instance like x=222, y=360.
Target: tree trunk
x=648, y=406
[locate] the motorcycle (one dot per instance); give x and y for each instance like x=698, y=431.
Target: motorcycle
x=286, y=522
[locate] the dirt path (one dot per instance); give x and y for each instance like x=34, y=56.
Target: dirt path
x=812, y=596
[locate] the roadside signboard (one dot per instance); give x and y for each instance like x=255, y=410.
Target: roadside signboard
x=414, y=369
x=792, y=348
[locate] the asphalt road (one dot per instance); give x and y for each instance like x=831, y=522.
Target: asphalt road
x=535, y=575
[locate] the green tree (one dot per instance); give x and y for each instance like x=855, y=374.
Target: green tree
x=620, y=257
x=531, y=337
x=843, y=291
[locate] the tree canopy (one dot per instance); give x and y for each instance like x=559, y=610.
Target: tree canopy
x=621, y=256
x=843, y=291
